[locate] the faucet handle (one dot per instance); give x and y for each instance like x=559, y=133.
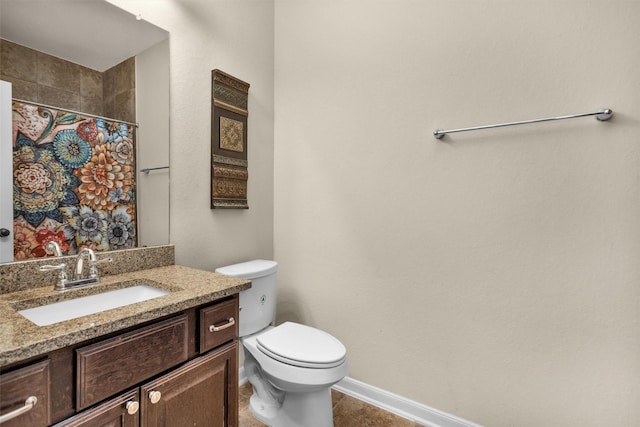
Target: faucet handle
x=62, y=276
x=93, y=271
x=61, y=267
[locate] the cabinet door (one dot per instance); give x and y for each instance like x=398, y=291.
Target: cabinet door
x=203, y=392
x=24, y=396
x=119, y=412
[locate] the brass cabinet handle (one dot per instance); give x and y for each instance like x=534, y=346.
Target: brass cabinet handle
x=132, y=407
x=154, y=396
x=29, y=404
x=230, y=322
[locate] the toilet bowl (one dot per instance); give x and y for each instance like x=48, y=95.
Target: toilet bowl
x=291, y=366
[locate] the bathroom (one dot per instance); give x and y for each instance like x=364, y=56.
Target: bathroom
x=491, y=275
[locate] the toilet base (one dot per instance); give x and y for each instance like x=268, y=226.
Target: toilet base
x=312, y=409
x=285, y=395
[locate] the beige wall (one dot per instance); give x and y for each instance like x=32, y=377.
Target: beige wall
x=493, y=275
x=236, y=37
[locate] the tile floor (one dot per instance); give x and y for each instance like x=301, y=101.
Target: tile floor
x=347, y=412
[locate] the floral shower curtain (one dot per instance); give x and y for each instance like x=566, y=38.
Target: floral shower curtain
x=73, y=181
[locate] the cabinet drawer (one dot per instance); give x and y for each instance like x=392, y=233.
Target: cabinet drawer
x=18, y=386
x=218, y=324
x=113, y=365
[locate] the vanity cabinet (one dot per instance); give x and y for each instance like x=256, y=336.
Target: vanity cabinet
x=177, y=371
x=199, y=393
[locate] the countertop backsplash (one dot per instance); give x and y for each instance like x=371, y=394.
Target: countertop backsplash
x=23, y=275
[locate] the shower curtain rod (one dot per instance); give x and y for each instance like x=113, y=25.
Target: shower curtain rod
x=39, y=104
x=602, y=115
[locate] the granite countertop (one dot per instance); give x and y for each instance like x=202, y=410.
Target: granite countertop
x=21, y=339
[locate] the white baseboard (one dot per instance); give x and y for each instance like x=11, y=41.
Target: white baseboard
x=242, y=378
x=400, y=406
x=393, y=403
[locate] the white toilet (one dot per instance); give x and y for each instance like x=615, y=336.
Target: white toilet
x=291, y=366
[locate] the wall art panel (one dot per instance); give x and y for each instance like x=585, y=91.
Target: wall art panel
x=229, y=166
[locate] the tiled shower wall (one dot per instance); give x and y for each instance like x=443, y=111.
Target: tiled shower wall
x=46, y=79
x=119, y=91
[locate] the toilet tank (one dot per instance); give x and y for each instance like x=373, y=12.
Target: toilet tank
x=257, y=304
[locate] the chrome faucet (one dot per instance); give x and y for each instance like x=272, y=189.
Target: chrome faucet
x=93, y=271
x=53, y=248
x=63, y=282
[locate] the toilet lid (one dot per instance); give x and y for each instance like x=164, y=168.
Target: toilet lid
x=301, y=345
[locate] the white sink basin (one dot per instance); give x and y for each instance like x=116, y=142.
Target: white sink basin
x=83, y=306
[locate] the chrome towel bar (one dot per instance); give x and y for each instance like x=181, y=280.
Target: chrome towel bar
x=602, y=115
x=147, y=170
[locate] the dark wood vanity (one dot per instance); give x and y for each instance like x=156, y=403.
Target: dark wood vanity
x=167, y=361
x=177, y=370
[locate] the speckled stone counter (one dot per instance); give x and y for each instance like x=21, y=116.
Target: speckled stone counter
x=21, y=275
x=20, y=339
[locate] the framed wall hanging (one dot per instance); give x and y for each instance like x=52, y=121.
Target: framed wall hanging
x=229, y=166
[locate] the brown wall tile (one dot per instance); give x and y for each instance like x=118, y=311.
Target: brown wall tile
x=119, y=91
x=58, y=98
x=125, y=106
x=126, y=79
x=93, y=106
x=21, y=89
x=38, y=77
x=18, y=61
x=58, y=73
x=90, y=83
x=108, y=107
x=109, y=85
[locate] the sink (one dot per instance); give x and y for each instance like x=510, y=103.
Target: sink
x=70, y=309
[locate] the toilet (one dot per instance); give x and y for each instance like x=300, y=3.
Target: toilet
x=291, y=366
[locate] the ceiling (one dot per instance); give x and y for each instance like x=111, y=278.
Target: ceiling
x=92, y=33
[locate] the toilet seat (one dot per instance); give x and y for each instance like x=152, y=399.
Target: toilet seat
x=302, y=346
